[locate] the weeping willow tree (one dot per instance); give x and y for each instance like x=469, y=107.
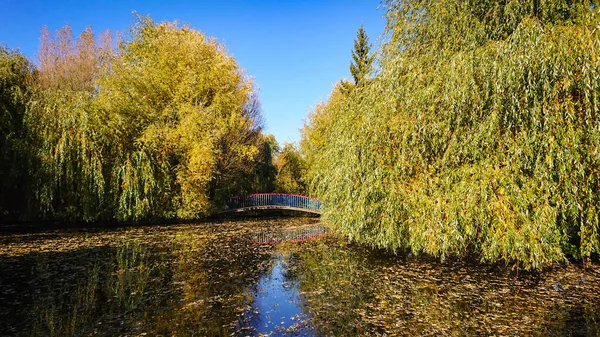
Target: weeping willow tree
x=479, y=135
x=66, y=137
x=164, y=125
x=16, y=73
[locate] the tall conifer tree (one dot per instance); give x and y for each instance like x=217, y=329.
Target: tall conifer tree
x=361, y=66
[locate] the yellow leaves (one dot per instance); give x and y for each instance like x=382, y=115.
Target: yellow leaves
x=176, y=93
x=477, y=132
x=118, y=134
x=247, y=152
x=66, y=63
x=200, y=164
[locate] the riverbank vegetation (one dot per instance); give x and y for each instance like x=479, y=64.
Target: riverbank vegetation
x=478, y=134
x=161, y=124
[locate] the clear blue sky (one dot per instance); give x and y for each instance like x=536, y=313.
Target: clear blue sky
x=294, y=50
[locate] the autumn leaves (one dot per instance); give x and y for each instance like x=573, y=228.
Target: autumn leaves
x=161, y=124
x=479, y=134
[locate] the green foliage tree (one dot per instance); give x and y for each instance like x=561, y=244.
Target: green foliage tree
x=167, y=125
x=263, y=177
x=316, y=130
x=68, y=139
x=290, y=171
x=361, y=67
x=478, y=136
x=16, y=74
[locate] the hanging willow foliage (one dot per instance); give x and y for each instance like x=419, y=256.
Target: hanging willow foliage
x=66, y=142
x=480, y=134
x=167, y=125
x=16, y=74
x=69, y=181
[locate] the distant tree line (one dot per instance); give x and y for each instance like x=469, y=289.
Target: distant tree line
x=161, y=123
x=479, y=133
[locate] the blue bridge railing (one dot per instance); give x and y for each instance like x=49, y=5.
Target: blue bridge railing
x=275, y=201
x=287, y=235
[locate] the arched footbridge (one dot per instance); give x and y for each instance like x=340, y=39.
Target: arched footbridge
x=266, y=201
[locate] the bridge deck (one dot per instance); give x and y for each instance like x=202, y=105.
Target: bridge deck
x=270, y=207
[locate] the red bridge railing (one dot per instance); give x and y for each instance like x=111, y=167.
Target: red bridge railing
x=277, y=200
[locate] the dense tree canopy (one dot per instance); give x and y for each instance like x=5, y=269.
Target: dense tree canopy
x=182, y=120
x=480, y=134
x=164, y=125
x=15, y=79
x=67, y=138
x=291, y=168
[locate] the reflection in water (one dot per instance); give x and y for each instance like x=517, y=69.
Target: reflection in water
x=354, y=291
x=215, y=276
x=211, y=280
x=270, y=237
x=276, y=309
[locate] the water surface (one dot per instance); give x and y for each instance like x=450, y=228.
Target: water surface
x=217, y=279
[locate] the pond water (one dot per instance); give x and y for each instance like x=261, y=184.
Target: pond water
x=217, y=279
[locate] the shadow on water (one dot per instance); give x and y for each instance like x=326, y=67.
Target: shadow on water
x=212, y=280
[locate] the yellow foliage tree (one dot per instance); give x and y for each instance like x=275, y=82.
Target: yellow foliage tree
x=478, y=136
x=177, y=106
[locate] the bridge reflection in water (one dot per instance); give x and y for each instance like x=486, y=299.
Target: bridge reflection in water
x=265, y=201
x=287, y=235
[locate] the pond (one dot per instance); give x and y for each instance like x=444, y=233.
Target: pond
x=221, y=279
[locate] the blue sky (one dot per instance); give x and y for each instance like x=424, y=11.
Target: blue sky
x=294, y=50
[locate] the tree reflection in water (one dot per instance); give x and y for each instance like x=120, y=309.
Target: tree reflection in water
x=355, y=291
x=210, y=280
